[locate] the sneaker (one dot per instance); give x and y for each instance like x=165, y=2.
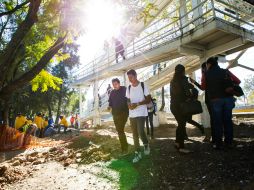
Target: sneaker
x=137, y=157
x=146, y=149
x=207, y=139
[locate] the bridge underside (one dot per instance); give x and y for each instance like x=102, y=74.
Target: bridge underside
x=213, y=37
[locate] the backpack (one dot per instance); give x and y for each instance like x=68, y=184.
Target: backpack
x=149, y=105
x=230, y=87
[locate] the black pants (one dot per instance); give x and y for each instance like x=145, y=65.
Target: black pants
x=120, y=121
x=59, y=128
x=211, y=120
x=149, y=120
x=121, y=53
x=181, y=124
x=194, y=123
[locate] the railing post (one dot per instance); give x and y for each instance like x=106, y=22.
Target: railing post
x=133, y=48
x=197, y=12
x=213, y=8
x=183, y=17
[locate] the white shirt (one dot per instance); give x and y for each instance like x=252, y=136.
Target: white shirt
x=137, y=95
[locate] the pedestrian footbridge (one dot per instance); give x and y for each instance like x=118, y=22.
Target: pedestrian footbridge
x=191, y=32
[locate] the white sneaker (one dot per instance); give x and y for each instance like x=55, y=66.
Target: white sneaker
x=146, y=149
x=137, y=157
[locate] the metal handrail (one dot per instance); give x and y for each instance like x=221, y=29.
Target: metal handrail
x=148, y=45
x=138, y=45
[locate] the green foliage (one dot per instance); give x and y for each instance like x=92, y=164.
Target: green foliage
x=148, y=12
x=249, y=88
x=44, y=81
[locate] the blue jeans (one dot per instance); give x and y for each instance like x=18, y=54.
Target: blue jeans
x=222, y=119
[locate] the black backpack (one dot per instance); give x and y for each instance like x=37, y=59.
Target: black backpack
x=231, y=87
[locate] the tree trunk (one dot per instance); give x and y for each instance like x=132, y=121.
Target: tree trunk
x=28, y=76
x=50, y=110
x=6, y=112
x=7, y=56
x=162, y=99
x=59, y=105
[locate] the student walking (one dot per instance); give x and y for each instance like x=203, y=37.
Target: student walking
x=179, y=92
x=138, y=97
x=149, y=119
x=120, y=111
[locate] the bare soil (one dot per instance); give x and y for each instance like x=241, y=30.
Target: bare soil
x=91, y=160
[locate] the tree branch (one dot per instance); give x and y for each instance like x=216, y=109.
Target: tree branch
x=4, y=27
x=14, y=9
x=6, y=56
x=28, y=76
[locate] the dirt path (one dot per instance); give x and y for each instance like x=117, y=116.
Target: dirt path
x=92, y=162
x=54, y=175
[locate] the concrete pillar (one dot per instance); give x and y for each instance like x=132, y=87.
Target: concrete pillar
x=197, y=12
x=125, y=79
x=184, y=20
x=96, y=112
x=80, y=106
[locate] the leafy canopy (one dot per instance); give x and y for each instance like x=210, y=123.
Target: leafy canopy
x=45, y=80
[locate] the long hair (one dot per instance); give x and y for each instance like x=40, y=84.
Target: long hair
x=179, y=71
x=213, y=61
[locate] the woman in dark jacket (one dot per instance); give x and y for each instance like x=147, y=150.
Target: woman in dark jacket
x=179, y=91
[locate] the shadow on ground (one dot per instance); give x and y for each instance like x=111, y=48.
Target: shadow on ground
x=205, y=168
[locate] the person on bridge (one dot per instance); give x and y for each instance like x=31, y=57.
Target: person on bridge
x=118, y=105
x=221, y=100
x=119, y=49
x=179, y=92
x=138, y=97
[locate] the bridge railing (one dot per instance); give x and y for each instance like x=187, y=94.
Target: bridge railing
x=174, y=28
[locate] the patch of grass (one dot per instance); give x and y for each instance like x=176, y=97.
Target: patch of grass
x=128, y=174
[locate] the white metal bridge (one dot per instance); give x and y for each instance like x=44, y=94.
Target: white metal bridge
x=192, y=31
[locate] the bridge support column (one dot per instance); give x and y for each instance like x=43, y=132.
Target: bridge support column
x=125, y=79
x=96, y=112
x=80, y=106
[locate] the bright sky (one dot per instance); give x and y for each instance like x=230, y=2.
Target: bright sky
x=103, y=21
x=247, y=59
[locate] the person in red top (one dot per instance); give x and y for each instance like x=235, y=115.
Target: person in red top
x=221, y=100
x=72, y=120
x=202, y=86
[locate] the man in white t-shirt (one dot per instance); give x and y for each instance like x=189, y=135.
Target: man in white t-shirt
x=138, y=96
